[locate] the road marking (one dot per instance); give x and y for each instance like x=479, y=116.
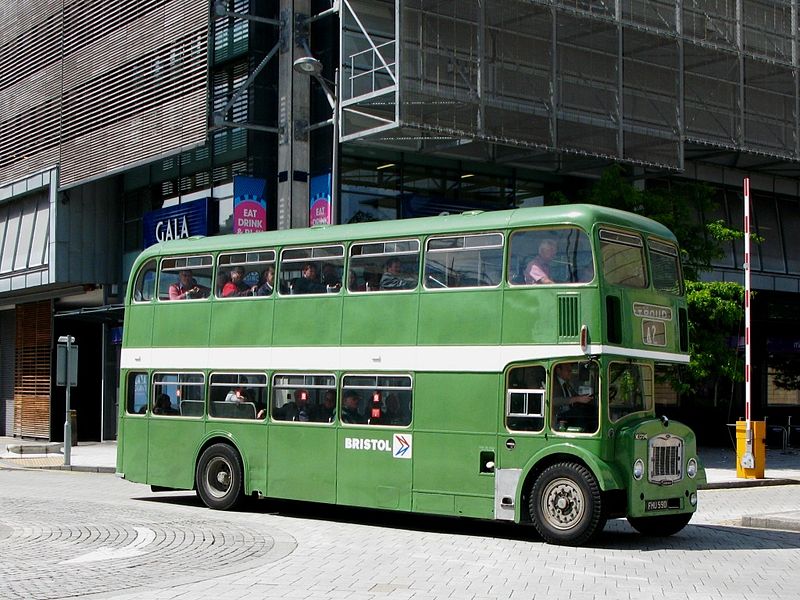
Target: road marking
x=144, y=537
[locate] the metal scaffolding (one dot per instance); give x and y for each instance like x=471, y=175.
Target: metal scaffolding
x=575, y=84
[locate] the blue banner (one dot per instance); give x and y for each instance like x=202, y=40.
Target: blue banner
x=176, y=222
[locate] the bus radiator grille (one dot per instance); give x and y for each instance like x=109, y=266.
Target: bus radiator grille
x=666, y=452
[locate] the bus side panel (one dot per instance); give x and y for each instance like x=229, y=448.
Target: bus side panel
x=245, y=322
x=647, y=332
x=448, y=474
x=182, y=324
x=132, y=451
x=529, y=316
x=250, y=438
x=455, y=418
x=173, y=444
x=460, y=317
x=301, y=461
x=138, y=330
x=373, y=469
x=380, y=319
x=309, y=320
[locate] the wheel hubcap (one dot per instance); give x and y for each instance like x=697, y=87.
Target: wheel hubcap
x=563, y=504
x=218, y=476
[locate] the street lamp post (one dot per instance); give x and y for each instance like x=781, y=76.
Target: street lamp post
x=312, y=67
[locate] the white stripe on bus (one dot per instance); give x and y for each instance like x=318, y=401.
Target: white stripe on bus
x=467, y=359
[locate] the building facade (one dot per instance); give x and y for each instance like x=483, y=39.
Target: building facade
x=124, y=124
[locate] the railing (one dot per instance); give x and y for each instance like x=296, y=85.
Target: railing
x=373, y=65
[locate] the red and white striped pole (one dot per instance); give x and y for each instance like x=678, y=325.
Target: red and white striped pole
x=748, y=461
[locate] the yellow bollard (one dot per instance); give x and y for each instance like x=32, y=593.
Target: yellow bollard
x=759, y=429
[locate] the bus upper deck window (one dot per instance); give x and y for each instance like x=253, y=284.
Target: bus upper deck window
x=185, y=278
x=313, y=270
x=550, y=256
x=666, y=266
x=623, y=258
x=145, y=287
x=245, y=274
x=383, y=265
x=464, y=261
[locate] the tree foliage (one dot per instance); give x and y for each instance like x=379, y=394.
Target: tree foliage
x=715, y=318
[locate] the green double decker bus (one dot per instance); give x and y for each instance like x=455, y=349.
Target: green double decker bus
x=490, y=365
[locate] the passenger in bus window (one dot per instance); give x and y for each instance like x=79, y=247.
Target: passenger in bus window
x=391, y=279
x=327, y=411
x=330, y=278
x=163, y=406
x=538, y=268
x=298, y=409
x=267, y=282
x=352, y=282
x=393, y=415
x=571, y=405
x=236, y=286
x=236, y=395
x=186, y=287
x=223, y=278
x=350, y=405
x=308, y=282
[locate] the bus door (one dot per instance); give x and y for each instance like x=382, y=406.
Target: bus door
x=522, y=432
x=375, y=443
x=301, y=446
x=133, y=442
x=175, y=428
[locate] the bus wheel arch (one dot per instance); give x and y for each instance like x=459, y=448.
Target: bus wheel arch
x=565, y=504
x=610, y=485
x=219, y=475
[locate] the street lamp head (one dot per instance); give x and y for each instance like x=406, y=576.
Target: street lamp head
x=308, y=65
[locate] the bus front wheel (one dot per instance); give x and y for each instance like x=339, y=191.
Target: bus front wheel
x=662, y=526
x=565, y=504
x=219, y=477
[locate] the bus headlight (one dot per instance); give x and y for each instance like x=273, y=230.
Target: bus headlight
x=691, y=468
x=693, y=499
x=638, y=469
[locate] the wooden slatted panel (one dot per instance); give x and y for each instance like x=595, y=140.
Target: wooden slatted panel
x=132, y=84
x=135, y=92
x=32, y=370
x=30, y=83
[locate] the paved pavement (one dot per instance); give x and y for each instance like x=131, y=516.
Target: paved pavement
x=720, y=464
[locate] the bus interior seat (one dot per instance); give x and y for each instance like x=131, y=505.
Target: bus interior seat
x=233, y=410
x=192, y=408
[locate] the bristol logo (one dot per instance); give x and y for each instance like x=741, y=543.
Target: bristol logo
x=401, y=445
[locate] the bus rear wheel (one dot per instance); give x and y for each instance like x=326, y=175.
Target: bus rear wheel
x=663, y=526
x=219, y=477
x=565, y=504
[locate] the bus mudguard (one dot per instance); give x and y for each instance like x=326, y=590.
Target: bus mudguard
x=606, y=477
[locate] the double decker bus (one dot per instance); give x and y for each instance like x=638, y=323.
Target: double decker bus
x=490, y=365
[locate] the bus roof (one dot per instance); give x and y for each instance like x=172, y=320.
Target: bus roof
x=584, y=215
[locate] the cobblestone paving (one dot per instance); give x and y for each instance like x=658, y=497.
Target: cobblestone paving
x=284, y=550
x=68, y=549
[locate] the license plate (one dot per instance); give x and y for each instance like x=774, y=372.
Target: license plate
x=656, y=505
